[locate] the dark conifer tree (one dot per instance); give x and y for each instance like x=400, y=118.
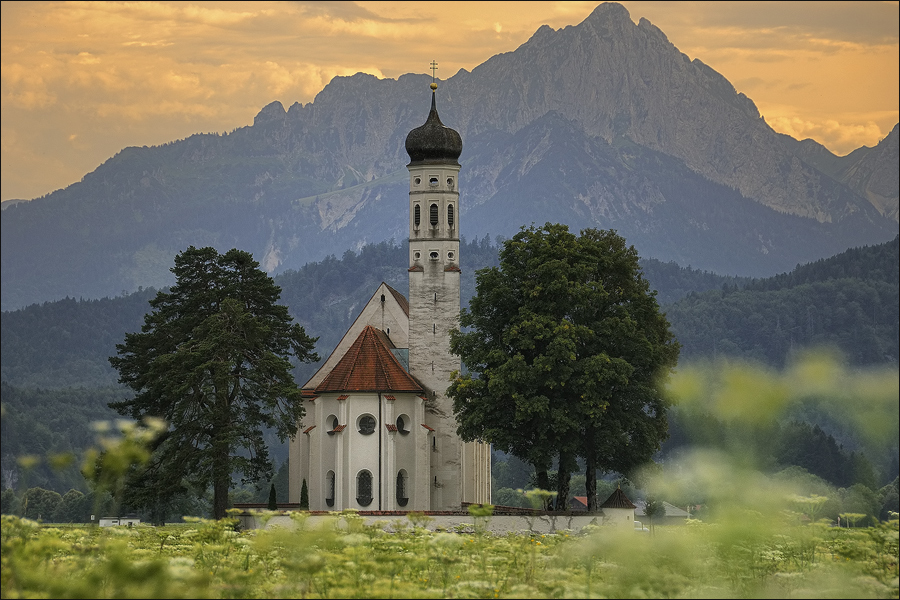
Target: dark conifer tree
x=213, y=360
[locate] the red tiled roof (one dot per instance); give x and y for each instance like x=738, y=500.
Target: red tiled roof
x=369, y=366
x=415, y=269
x=427, y=427
x=343, y=397
x=308, y=394
x=308, y=429
x=389, y=397
x=390, y=427
x=618, y=499
x=452, y=268
x=339, y=428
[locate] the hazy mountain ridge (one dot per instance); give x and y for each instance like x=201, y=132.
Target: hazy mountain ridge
x=867, y=171
x=650, y=143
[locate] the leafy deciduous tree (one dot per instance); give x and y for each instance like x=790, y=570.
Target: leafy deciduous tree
x=40, y=504
x=213, y=360
x=565, y=348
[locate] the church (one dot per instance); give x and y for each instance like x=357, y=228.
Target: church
x=379, y=432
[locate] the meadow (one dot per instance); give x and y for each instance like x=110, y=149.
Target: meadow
x=776, y=556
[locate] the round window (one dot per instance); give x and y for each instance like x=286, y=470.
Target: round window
x=366, y=424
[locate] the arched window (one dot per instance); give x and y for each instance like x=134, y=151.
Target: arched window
x=450, y=215
x=364, y=488
x=402, y=483
x=332, y=422
x=417, y=215
x=329, y=488
x=366, y=425
x=434, y=215
x=403, y=424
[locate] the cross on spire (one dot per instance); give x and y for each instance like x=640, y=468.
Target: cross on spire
x=433, y=69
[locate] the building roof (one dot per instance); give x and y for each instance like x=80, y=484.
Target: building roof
x=369, y=366
x=618, y=499
x=400, y=298
x=433, y=142
x=672, y=511
x=371, y=313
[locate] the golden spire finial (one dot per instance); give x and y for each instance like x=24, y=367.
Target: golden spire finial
x=434, y=67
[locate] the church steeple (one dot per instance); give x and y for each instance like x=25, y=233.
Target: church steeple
x=434, y=292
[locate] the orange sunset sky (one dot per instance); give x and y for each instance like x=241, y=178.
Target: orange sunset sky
x=82, y=80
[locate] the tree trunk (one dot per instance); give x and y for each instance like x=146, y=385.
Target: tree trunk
x=543, y=483
x=221, y=478
x=564, y=476
x=590, y=471
x=220, y=498
x=590, y=483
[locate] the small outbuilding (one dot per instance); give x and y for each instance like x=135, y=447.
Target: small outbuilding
x=618, y=509
x=128, y=521
x=673, y=516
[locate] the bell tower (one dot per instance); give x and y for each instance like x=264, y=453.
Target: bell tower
x=459, y=472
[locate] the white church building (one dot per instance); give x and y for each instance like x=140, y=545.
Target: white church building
x=379, y=432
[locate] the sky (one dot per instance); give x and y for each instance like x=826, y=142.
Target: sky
x=82, y=80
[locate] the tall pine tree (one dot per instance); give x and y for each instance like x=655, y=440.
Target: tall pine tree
x=213, y=360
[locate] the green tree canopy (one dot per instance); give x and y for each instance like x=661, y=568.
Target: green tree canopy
x=212, y=360
x=565, y=348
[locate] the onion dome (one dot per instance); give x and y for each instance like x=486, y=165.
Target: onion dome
x=433, y=142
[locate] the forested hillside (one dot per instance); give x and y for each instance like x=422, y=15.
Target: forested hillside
x=67, y=342
x=848, y=302
x=41, y=426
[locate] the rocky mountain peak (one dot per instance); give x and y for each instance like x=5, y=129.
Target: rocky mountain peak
x=274, y=111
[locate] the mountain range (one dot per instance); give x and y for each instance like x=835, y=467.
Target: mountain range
x=604, y=124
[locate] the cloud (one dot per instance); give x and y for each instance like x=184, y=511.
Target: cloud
x=25, y=87
x=777, y=25
x=841, y=138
